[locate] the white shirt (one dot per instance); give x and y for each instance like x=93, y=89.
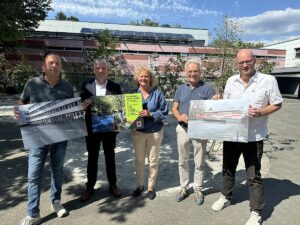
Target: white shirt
x=100, y=89
x=261, y=91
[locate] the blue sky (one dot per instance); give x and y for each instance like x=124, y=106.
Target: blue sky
x=267, y=21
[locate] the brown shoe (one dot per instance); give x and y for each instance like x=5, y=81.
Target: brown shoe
x=113, y=189
x=87, y=194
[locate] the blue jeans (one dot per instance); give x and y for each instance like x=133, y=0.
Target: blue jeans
x=36, y=164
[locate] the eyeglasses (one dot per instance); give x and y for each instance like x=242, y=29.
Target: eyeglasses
x=192, y=71
x=248, y=63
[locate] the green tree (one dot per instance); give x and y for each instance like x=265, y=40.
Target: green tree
x=14, y=77
x=134, y=22
x=106, y=48
x=169, y=75
x=242, y=44
x=60, y=16
x=150, y=23
x=73, y=18
x=265, y=66
x=227, y=35
x=18, y=17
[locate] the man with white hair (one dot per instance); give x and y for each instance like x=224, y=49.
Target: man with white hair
x=194, y=89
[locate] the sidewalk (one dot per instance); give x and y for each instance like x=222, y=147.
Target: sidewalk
x=280, y=171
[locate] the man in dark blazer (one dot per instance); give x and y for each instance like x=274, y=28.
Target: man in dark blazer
x=99, y=86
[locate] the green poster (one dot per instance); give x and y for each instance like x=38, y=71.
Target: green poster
x=133, y=106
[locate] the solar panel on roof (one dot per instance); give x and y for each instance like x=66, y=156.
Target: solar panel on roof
x=117, y=32
x=86, y=30
x=95, y=31
x=169, y=35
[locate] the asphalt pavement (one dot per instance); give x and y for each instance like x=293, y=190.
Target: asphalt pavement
x=280, y=171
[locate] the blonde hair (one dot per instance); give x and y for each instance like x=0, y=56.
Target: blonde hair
x=153, y=79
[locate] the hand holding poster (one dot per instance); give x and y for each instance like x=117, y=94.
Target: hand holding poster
x=222, y=120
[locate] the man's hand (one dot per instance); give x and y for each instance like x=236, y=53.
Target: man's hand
x=183, y=118
x=254, y=112
x=86, y=103
x=216, y=97
x=17, y=113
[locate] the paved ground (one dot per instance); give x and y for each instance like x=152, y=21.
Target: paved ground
x=280, y=170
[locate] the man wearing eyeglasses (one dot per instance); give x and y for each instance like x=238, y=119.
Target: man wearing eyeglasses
x=194, y=89
x=265, y=98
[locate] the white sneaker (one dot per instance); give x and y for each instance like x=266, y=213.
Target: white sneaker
x=59, y=209
x=30, y=220
x=255, y=219
x=221, y=203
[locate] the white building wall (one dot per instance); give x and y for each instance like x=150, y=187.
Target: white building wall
x=289, y=46
x=75, y=27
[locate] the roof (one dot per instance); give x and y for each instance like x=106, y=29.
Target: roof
x=79, y=27
x=281, y=42
x=286, y=71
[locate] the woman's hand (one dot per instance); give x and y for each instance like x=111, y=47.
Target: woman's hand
x=145, y=113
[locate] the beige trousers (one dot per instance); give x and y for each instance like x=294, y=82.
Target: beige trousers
x=183, y=146
x=146, y=145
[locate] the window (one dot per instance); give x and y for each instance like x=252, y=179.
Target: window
x=297, y=50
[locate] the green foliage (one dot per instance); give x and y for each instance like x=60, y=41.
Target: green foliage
x=14, y=77
x=227, y=38
x=17, y=17
x=62, y=16
x=241, y=45
x=265, y=67
x=150, y=23
x=73, y=18
x=169, y=77
x=107, y=44
x=75, y=73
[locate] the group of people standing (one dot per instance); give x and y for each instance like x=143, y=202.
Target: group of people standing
x=265, y=98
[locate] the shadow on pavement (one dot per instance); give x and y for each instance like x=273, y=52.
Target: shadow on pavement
x=14, y=167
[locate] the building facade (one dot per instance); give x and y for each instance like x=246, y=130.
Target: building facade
x=139, y=45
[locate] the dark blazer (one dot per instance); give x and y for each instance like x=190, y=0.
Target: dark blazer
x=89, y=90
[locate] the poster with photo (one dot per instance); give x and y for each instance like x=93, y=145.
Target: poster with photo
x=116, y=112
x=50, y=122
x=221, y=120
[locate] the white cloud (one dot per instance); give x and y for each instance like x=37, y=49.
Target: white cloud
x=278, y=22
x=131, y=9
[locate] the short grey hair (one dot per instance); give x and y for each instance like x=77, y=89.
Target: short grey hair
x=102, y=61
x=193, y=61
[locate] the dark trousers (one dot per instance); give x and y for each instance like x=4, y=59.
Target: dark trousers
x=93, y=142
x=252, y=153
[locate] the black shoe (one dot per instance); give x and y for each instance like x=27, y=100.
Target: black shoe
x=151, y=195
x=137, y=192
